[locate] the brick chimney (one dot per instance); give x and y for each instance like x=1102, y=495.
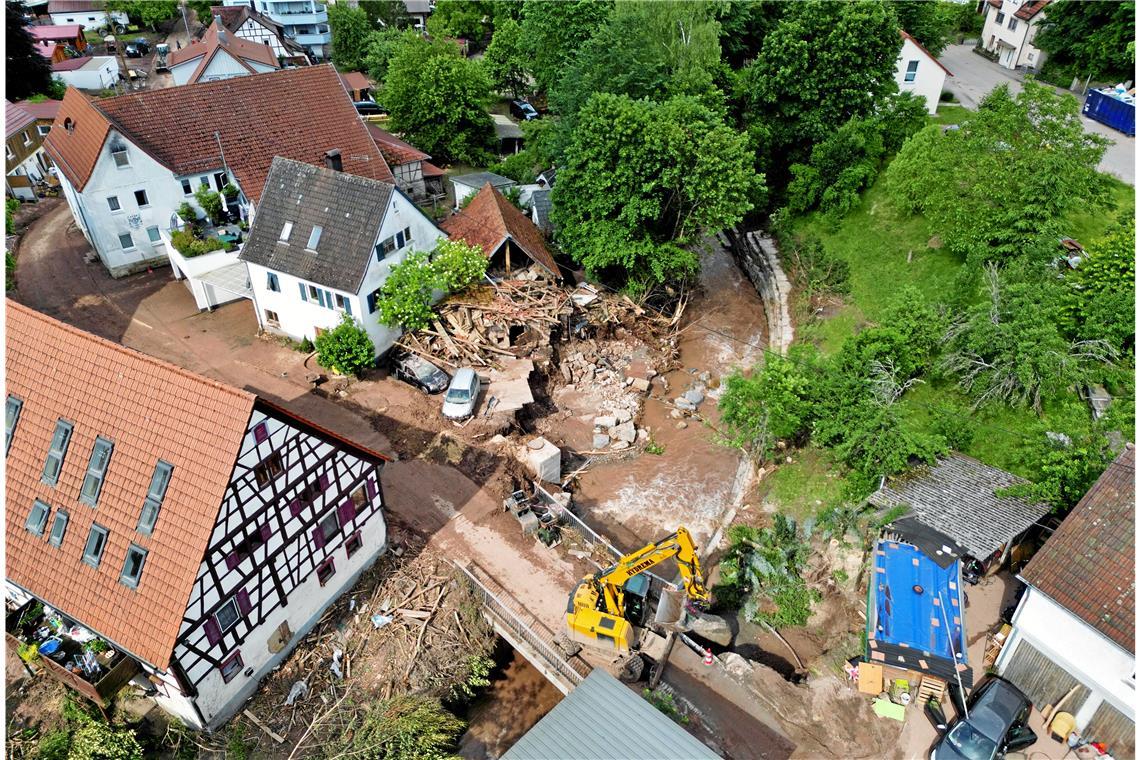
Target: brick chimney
x=332, y=160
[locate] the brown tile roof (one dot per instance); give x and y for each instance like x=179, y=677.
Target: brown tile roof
x=431, y=170
x=239, y=48
x=1089, y=565
x=76, y=150
x=1028, y=10
x=906, y=36
x=16, y=117
x=56, y=32
x=45, y=109
x=234, y=16
x=396, y=151
x=354, y=80
x=71, y=64
x=489, y=219
x=151, y=410
x=75, y=6
x=297, y=113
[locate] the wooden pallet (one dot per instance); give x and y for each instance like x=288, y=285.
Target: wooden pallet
x=931, y=688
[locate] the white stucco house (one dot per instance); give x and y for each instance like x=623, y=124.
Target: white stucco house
x=1075, y=626
x=323, y=242
x=1009, y=29
x=125, y=173
x=220, y=55
x=92, y=14
x=920, y=73
x=199, y=530
x=91, y=72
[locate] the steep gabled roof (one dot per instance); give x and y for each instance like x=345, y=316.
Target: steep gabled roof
x=1088, y=565
x=75, y=6
x=906, y=36
x=348, y=209
x=238, y=48
x=299, y=113
x=77, y=137
x=1030, y=9
x=149, y=410
x=396, y=151
x=234, y=16
x=489, y=219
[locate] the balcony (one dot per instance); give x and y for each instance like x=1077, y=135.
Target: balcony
x=68, y=652
x=311, y=39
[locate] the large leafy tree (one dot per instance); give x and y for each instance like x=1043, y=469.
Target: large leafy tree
x=147, y=12
x=467, y=19
x=28, y=72
x=505, y=59
x=553, y=32
x=823, y=64
x=351, y=31
x=743, y=26
x=387, y=14
x=1000, y=187
x=438, y=99
x=641, y=180
x=1090, y=39
x=379, y=49
x=1102, y=296
x=929, y=22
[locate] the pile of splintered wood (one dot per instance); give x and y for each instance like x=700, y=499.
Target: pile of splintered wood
x=431, y=626
x=474, y=328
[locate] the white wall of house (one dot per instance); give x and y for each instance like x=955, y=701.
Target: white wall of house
x=100, y=73
x=1077, y=647
x=90, y=19
x=307, y=599
x=256, y=32
x=190, y=271
x=916, y=73
x=1018, y=48
x=225, y=66
x=181, y=73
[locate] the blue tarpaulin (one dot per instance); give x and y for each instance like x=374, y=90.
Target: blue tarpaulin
x=905, y=621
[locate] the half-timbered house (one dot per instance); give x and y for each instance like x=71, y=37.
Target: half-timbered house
x=197, y=529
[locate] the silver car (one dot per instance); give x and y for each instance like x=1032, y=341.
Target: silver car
x=461, y=395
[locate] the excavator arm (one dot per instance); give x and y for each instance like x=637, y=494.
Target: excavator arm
x=678, y=545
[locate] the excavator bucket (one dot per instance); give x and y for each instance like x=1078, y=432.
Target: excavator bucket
x=671, y=614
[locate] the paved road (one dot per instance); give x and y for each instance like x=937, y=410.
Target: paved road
x=974, y=77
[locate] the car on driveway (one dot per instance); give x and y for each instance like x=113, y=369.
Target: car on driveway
x=997, y=723
x=369, y=108
x=462, y=394
x=523, y=111
x=420, y=373
x=137, y=48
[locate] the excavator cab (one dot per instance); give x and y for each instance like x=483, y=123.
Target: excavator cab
x=636, y=593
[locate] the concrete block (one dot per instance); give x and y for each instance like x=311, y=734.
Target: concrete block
x=605, y=422
x=640, y=384
x=544, y=460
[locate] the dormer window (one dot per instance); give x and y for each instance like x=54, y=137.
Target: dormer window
x=69, y=124
x=314, y=238
x=119, y=153
x=286, y=231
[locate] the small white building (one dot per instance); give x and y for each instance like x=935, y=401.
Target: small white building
x=198, y=530
x=99, y=72
x=920, y=73
x=1075, y=627
x=322, y=244
x=468, y=184
x=92, y=14
x=1009, y=30
x=220, y=55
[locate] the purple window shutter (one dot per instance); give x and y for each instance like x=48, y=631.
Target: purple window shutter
x=243, y=602
x=295, y=507
x=324, y=482
x=265, y=532
x=233, y=559
x=371, y=486
x=213, y=631
x=260, y=432
x=347, y=511
x=318, y=537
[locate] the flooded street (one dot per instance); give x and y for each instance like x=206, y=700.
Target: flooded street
x=696, y=479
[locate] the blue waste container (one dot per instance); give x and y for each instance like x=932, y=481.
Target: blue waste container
x=1107, y=109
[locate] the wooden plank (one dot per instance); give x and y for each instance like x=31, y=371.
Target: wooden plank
x=1042, y=680
x=870, y=678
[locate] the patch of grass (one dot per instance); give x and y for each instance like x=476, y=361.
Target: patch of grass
x=653, y=447
x=1087, y=226
x=950, y=113
x=828, y=331
x=795, y=488
x=664, y=702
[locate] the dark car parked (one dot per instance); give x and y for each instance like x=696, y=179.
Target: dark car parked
x=369, y=108
x=998, y=723
x=137, y=49
x=520, y=109
x=419, y=372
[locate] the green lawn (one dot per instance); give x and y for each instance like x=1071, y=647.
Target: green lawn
x=800, y=489
x=950, y=113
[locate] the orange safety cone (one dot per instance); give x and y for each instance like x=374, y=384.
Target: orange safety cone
x=708, y=657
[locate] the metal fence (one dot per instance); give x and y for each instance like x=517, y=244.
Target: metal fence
x=527, y=629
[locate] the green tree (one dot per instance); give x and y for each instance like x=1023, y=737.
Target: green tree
x=929, y=22
x=27, y=71
x=386, y=14
x=1001, y=187
x=462, y=19
x=146, y=12
x=774, y=404
x=505, y=59
x=553, y=32
x=346, y=348
x=438, y=100
x=763, y=572
x=642, y=180
x=823, y=64
x=743, y=26
x=95, y=740
x=1102, y=292
x=378, y=51
x=1090, y=39
x=351, y=31
x=401, y=728
x=406, y=296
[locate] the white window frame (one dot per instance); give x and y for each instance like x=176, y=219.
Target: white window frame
x=60, y=523
x=43, y=129
x=96, y=472
x=286, y=231
x=187, y=186
x=132, y=580
x=145, y=198
x=121, y=157
x=156, y=238
x=117, y=207
x=1013, y=23
x=57, y=451
x=271, y=318
x=339, y=302
x=314, y=238
x=38, y=518
x=130, y=247
x=27, y=137
x=911, y=71
x=230, y=603
x=155, y=494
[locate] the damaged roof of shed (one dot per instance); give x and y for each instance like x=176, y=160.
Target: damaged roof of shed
x=348, y=209
x=957, y=497
x=1088, y=565
x=490, y=219
x=633, y=728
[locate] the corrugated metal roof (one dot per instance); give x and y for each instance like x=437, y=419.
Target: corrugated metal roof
x=603, y=719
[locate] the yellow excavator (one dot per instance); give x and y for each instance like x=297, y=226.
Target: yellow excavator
x=606, y=609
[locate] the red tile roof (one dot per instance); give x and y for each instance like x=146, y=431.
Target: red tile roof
x=76, y=150
x=71, y=64
x=1089, y=565
x=58, y=32
x=1028, y=10
x=16, y=117
x=354, y=80
x=431, y=170
x=45, y=109
x=490, y=219
x=151, y=410
x=396, y=151
x=297, y=113
x=917, y=44
x=239, y=48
